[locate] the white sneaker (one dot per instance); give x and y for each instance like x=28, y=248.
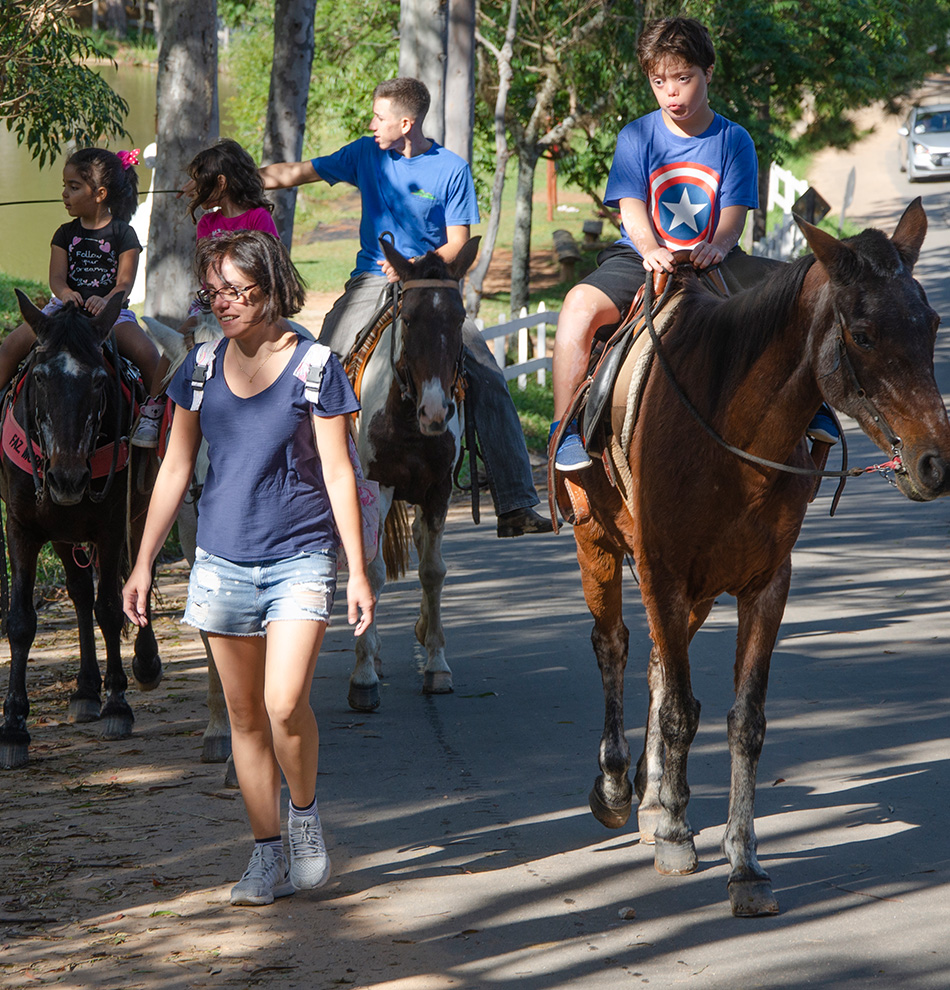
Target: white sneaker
x=150, y=422
x=309, y=862
x=264, y=879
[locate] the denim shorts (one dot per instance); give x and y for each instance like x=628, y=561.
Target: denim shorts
x=239, y=599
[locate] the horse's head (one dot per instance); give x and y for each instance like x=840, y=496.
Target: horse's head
x=429, y=332
x=64, y=397
x=873, y=339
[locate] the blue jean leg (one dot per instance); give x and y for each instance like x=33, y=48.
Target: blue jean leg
x=500, y=436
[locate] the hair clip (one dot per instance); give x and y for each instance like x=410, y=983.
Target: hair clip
x=128, y=158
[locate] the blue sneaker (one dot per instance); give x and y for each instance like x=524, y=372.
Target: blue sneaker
x=822, y=427
x=571, y=455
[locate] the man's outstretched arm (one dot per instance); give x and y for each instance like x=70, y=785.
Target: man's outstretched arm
x=283, y=175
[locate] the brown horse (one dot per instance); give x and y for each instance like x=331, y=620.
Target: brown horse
x=850, y=325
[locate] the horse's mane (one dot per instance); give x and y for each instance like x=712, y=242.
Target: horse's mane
x=68, y=329
x=430, y=265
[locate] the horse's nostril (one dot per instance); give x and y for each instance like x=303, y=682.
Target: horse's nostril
x=932, y=470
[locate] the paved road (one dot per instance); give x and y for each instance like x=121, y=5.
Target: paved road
x=464, y=853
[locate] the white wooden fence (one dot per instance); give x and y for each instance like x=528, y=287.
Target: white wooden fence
x=498, y=338
x=784, y=242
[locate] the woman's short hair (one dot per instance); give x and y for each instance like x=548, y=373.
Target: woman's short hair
x=265, y=262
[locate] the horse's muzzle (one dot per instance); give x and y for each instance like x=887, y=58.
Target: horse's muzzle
x=67, y=488
x=928, y=477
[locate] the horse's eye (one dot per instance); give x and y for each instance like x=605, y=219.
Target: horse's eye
x=862, y=340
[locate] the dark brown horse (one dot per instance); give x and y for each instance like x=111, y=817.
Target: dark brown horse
x=850, y=325
x=68, y=416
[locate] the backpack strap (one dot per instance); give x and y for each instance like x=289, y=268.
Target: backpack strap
x=204, y=368
x=311, y=368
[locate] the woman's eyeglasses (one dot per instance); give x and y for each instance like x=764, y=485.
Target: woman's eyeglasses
x=231, y=293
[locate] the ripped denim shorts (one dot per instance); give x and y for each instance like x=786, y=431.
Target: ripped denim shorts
x=239, y=599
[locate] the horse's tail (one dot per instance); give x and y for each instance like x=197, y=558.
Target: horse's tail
x=397, y=536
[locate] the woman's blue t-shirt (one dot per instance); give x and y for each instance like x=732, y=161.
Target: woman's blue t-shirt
x=264, y=496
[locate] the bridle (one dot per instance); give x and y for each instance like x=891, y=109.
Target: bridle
x=29, y=418
x=406, y=388
x=842, y=360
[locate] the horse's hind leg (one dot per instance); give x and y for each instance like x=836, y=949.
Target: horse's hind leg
x=601, y=574
x=85, y=702
x=650, y=765
x=21, y=631
x=427, y=530
x=750, y=889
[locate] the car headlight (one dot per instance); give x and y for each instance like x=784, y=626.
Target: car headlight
x=921, y=149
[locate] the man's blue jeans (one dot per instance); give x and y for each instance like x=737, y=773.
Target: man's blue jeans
x=496, y=419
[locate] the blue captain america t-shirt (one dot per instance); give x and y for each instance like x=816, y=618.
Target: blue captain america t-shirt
x=685, y=182
x=270, y=502
x=415, y=198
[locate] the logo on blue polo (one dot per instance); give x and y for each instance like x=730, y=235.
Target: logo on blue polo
x=683, y=203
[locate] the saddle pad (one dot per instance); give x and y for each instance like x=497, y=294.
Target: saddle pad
x=628, y=389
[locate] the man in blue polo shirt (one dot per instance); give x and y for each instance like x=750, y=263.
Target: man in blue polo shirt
x=424, y=195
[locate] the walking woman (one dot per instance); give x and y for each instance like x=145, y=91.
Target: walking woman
x=280, y=496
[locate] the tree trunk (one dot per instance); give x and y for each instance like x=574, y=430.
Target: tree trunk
x=117, y=22
x=422, y=48
x=287, y=102
x=760, y=214
x=521, y=242
x=460, y=78
x=187, y=122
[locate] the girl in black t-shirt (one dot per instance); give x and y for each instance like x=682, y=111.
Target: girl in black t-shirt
x=93, y=257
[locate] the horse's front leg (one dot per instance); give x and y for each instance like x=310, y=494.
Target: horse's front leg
x=428, y=528
x=21, y=631
x=750, y=889
x=363, y=695
x=677, y=716
x=86, y=701
x=601, y=577
x=116, y=715
x=650, y=765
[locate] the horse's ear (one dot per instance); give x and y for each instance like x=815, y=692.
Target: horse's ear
x=106, y=319
x=465, y=257
x=402, y=266
x=910, y=233
x=837, y=258
x=33, y=316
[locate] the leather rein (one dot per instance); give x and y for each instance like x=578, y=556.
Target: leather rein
x=842, y=360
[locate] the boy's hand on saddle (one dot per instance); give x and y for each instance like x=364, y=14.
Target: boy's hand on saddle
x=658, y=259
x=706, y=254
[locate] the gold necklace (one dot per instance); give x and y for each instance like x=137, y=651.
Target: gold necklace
x=257, y=371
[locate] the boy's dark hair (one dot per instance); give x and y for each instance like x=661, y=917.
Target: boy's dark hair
x=99, y=167
x=407, y=95
x=265, y=262
x=675, y=39
x=245, y=187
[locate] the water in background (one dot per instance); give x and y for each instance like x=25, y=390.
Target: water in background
x=24, y=243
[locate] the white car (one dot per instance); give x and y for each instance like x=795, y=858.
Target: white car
x=925, y=150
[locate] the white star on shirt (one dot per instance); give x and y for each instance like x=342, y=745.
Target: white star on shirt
x=684, y=212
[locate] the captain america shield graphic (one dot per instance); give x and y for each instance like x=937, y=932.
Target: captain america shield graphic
x=683, y=203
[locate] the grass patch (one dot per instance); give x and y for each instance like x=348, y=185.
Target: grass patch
x=9, y=309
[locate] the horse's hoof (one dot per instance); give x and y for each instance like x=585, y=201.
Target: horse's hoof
x=147, y=672
x=230, y=775
x=437, y=682
x=14, y=754
x=752, y=898
x=674, y=859
x=216, y=749
x=648, y=821
x=611, y=815
x=83, y=710
x=363, y=697
x=116, y=726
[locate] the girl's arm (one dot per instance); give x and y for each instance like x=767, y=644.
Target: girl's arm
x=58, y=269
x=124, y=280
x=171, y=486
x=331, y=437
